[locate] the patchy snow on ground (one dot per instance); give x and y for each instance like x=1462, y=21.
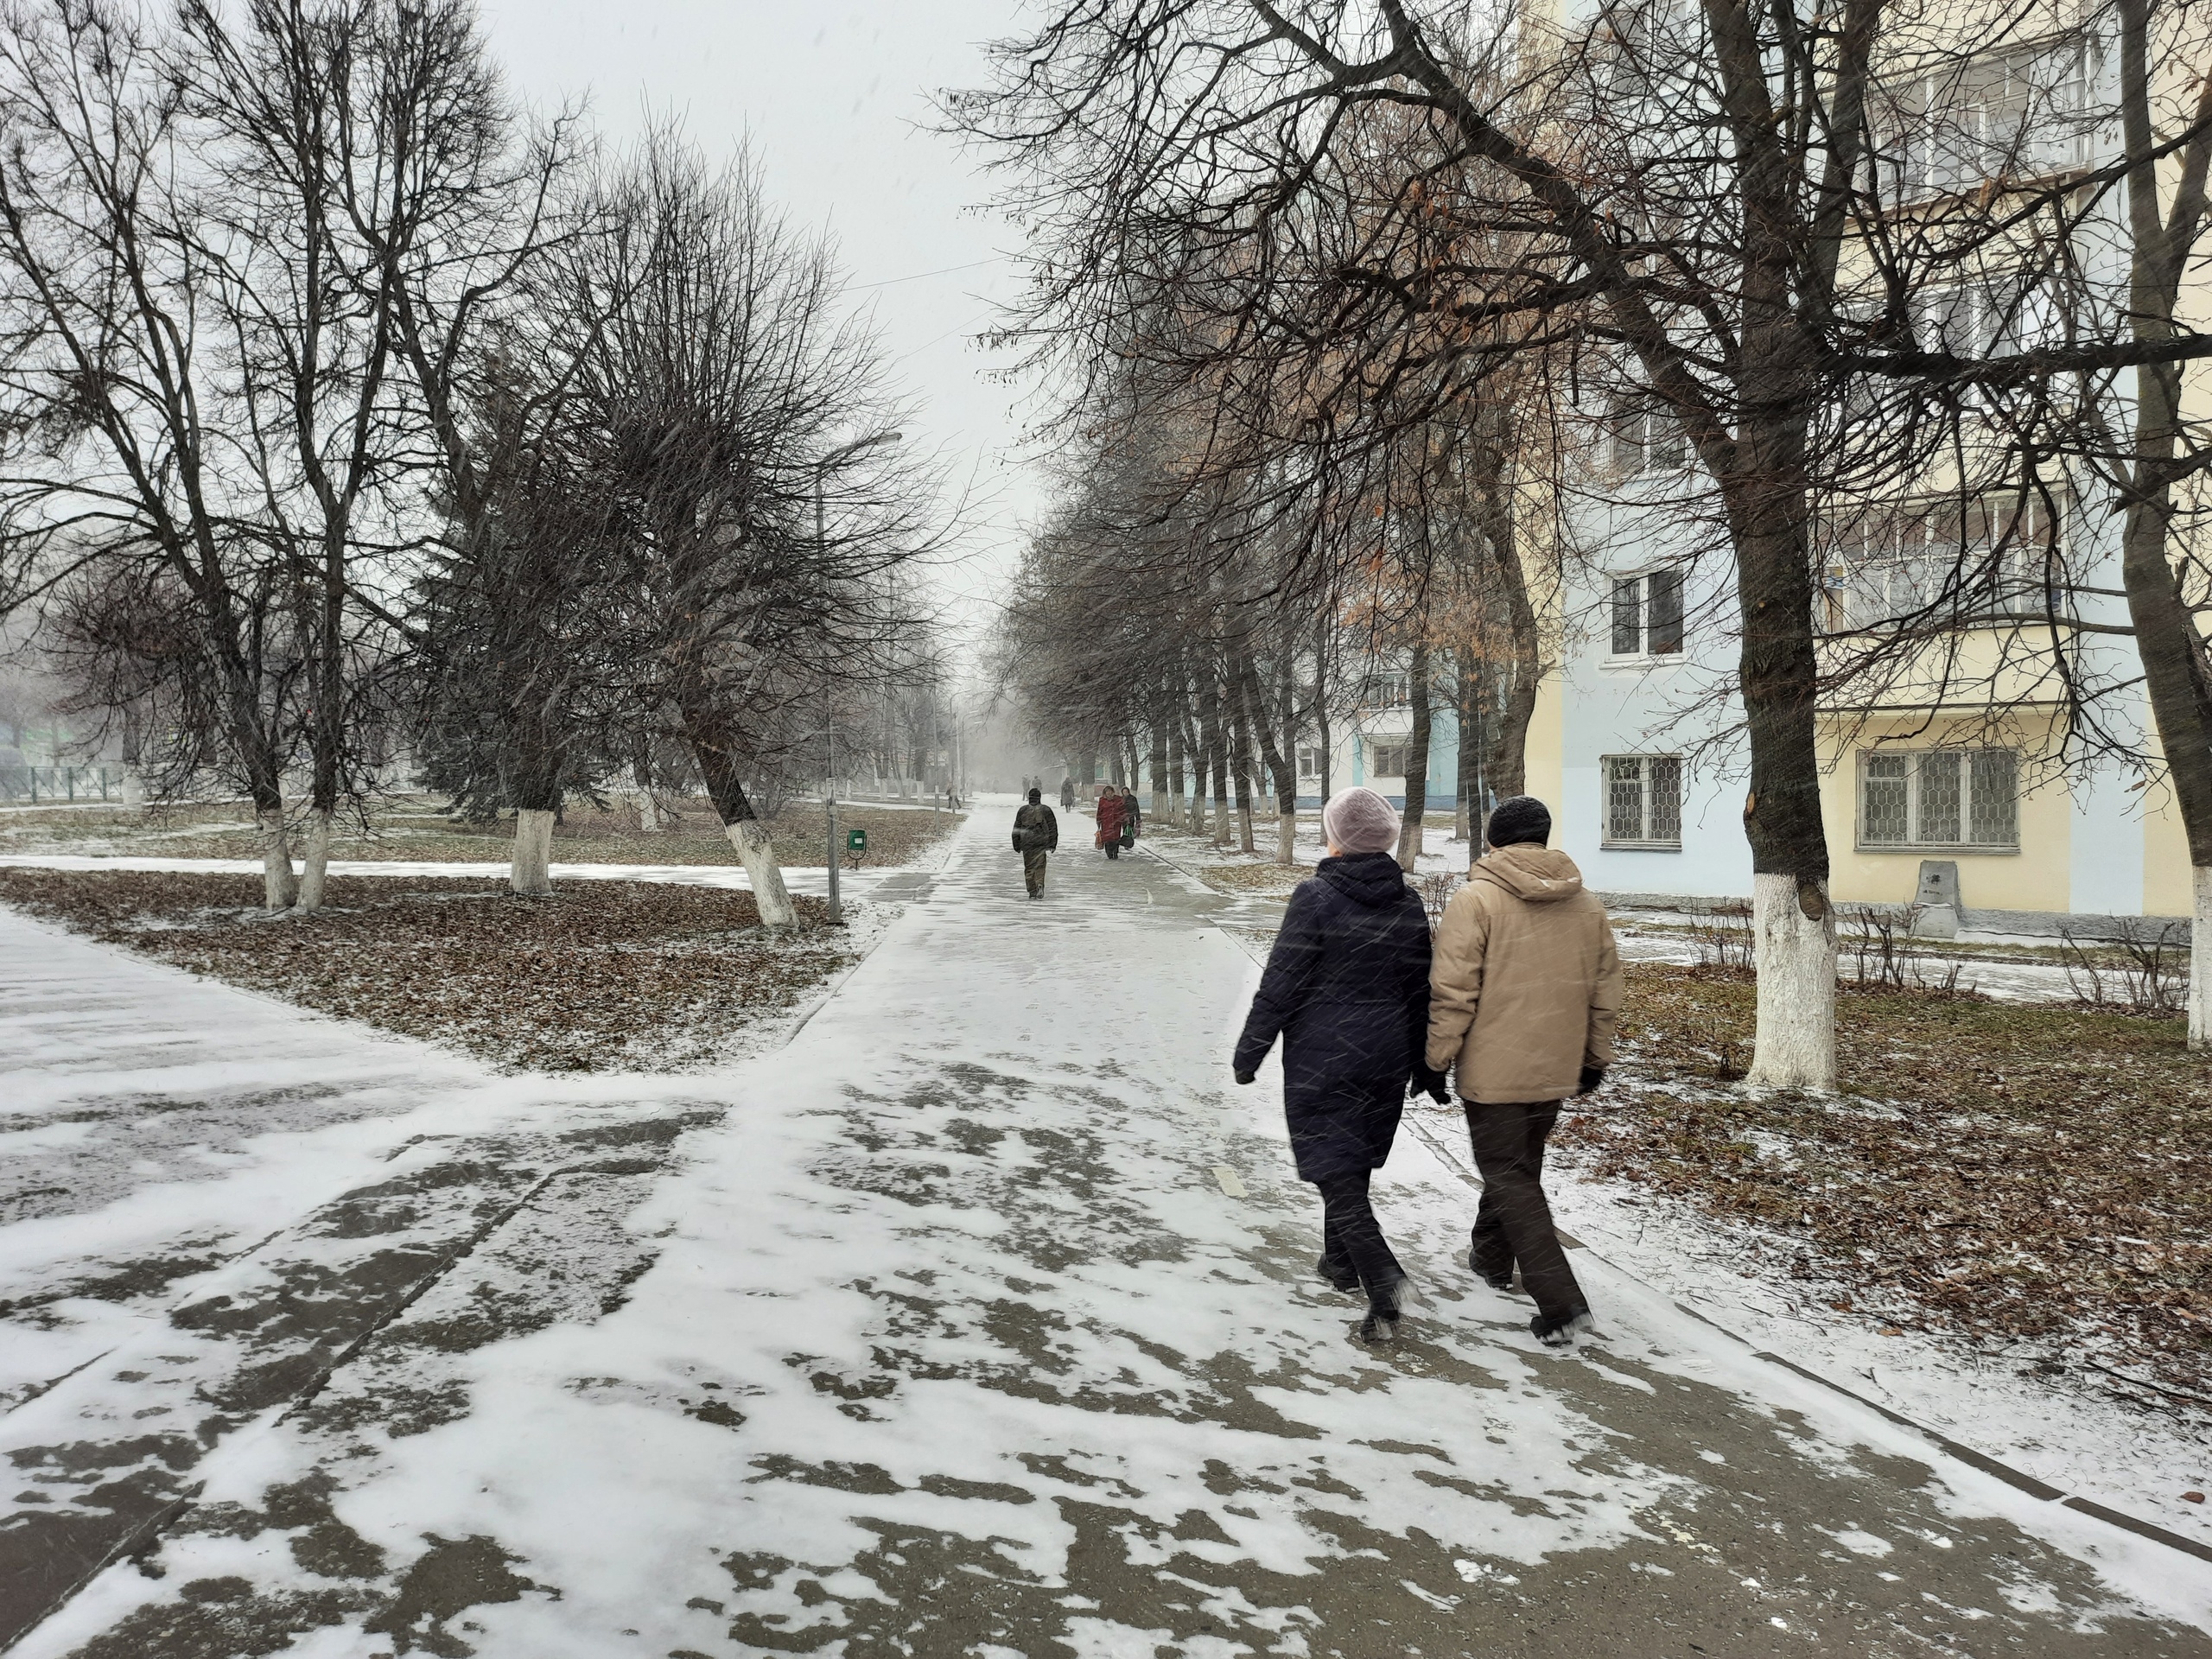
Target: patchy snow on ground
x=940, y=1331
x=2135, y=1458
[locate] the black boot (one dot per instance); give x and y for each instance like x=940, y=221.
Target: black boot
x=1385, y=1311
x=1501, y=1282
x=1340, y=1273
x=1558, y=1330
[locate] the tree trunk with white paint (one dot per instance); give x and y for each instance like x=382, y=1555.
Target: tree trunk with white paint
x=278, y=886
x=2162, y=453
x=2200, y=958
x=1794, y=1046
x=1416, y=812
x=1158, y=767
x=1241, y=763
x=314, y=862
x=756, y=850
x=648, y=808
x=532, y=874
x=1279, y=756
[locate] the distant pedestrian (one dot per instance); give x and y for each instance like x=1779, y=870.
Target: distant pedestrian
x=1132, y=819
x=1523, y=995
x=1067, y=794
x=1109, y=824
x=1347, y=987
x=1036, y=833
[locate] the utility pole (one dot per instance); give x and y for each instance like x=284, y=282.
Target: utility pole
x=829, y=722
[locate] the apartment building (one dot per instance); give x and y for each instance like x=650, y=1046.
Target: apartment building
x=1953, y=776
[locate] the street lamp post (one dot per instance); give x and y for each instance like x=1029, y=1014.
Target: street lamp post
x=836, y=457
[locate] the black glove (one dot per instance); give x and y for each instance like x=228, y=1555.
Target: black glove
x=1429, y=1083
x=1246, y=1076
x=1591, y=1076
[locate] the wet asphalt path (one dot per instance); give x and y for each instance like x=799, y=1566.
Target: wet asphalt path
x=978, y=1321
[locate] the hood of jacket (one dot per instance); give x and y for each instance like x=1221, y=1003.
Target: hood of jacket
x=1371, y=879
x=1538, y=875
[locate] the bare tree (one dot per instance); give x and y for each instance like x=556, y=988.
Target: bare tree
x=1673, y=195
x=125, y=451
x=735, y=410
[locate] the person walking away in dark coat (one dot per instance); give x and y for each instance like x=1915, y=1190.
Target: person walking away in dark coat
x=1109, y=824
x=1347, y=987
x=1524, y=991
x=1067, y=794
x=1132, y=819
x=1036, y=833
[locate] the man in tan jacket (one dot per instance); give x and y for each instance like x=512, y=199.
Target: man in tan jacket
x=1524, y=989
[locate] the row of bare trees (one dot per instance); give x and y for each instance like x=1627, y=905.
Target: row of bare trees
x=1838, y=257
x=1199, y=625
x=349, y=413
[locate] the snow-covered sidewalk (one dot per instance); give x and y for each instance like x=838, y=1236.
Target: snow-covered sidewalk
x=813, y=880
x=980, y=1320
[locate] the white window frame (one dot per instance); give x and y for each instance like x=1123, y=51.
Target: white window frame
x=1379, y=746
x=1892, y=564
x=2051, y=97
x=1386, y=688
x=1911, y=777
x=1648, y=769
x=1309, y=761
x=1643, y=655
x=1641, y=440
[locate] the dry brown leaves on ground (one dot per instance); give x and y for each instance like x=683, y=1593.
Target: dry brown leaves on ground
x=418, y=832
x=2023, y=1173
x=602, y=976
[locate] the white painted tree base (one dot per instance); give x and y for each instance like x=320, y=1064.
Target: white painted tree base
x=278, y=886
x=756, y=850
x=314, y=862
x=1794, y=1046
x=1286, y=839
x=2200, y=958
x=532, y=874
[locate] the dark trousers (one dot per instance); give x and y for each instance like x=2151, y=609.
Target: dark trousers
x=1351, y=1235
x=1032, y=872
x=1514, y=1224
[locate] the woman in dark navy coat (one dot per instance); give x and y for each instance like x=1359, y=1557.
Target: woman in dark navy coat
x=1347, y=987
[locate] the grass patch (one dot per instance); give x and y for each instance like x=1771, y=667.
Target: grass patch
x=602, y=976
x=417, y=831
x=2020, y=1173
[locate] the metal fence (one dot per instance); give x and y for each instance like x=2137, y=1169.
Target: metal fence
x=38, y=785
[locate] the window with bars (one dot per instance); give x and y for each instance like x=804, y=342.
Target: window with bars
x=1647, y=615
x=1939, y=797
x=1644, y=800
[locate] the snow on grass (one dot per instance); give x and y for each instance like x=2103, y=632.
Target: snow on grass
x=602, y=975
x=414, y=831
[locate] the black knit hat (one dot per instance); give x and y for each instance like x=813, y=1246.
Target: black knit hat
x=1519, y=818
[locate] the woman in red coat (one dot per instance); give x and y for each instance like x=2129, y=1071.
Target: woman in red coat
x=1109, y=823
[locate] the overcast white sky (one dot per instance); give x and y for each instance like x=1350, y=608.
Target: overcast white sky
x=833, y=96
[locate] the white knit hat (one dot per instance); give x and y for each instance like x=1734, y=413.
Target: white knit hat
x=1358, y=820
